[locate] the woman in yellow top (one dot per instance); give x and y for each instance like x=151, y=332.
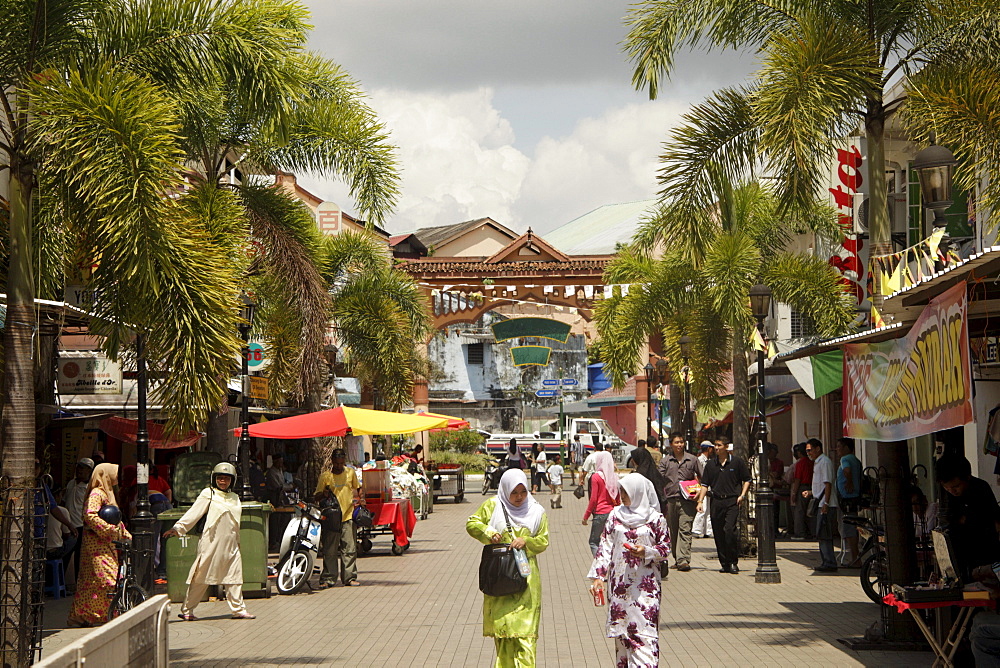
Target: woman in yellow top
x=512, y=621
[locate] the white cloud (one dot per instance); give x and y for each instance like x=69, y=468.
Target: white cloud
x=459, y=161
x=606, y=160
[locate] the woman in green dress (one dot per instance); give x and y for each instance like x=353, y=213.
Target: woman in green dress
x=512, y=621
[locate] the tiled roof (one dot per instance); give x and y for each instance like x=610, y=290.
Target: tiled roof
x=464, y=266
x=438, y=236
x=611, y=395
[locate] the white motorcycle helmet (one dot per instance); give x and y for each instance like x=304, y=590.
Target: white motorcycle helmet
x=224, y=468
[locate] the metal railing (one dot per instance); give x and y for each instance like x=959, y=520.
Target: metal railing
x=22, y=574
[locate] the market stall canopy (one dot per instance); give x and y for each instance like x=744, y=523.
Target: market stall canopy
x=125, y=430
x=454, y=423
x=341, y=420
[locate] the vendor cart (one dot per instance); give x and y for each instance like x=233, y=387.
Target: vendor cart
x=395, y=518
x=448, y=482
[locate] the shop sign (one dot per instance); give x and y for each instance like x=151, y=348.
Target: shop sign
x=914, y=385
x=258, y=387
x=847, y=192
x=89, y=375
x=986, y=350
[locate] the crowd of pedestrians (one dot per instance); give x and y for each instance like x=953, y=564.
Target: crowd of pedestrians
x=638, y=521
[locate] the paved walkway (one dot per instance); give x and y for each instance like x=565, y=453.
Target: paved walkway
x=423, y=609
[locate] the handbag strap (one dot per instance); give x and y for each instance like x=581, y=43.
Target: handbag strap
x=506, y=517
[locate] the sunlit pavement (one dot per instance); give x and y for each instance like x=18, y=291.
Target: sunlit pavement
x=424, y=609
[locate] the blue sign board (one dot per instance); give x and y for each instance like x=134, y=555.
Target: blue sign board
x=546, y=393
x=570, y=381
x=550, y=382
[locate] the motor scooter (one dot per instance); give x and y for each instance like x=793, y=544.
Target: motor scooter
x=874, y=560
x=491, y=475
x=300, y=544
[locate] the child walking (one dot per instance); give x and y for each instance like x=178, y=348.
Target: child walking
x=555, y=482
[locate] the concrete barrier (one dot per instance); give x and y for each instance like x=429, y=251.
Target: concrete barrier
x=136, y=639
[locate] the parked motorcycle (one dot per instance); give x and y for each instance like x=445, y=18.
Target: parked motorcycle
x=874, y=560
x=300, y=544
x=491, y=476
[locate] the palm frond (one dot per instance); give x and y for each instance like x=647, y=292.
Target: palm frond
x=659, y=28
x=961, y=106
x=812, y=287
x=810, y=83
x=289, y=246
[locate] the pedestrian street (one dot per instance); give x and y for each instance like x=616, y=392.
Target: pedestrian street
x=424, y=609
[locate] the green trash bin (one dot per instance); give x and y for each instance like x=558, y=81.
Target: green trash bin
x=192, y=473
x=253, y=548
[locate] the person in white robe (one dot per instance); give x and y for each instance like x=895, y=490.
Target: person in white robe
x=218, y=561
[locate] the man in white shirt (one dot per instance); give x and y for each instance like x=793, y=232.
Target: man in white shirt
x=74, y=498
x=539, y=464
x=823, y=490
x=555, y=482
x=702, y=527
x=589, y=465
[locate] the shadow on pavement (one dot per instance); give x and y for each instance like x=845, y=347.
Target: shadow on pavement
x=186, y=658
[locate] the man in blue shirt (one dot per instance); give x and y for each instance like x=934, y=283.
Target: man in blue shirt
x=849, y=489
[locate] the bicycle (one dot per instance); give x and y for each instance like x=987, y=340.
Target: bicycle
x=127, y=593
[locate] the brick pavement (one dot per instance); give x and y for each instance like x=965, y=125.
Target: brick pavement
x=424, y=609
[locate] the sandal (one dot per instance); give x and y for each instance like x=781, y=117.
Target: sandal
x=187, y=617
x=75, y=623
x=243, y=615
x=352, y=583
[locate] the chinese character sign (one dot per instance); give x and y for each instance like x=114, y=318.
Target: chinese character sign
x=89, y=375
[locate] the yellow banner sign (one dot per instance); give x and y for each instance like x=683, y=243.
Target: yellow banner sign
x=914, y=385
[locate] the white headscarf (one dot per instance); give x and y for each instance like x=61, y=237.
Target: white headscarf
x=643, y=505
x=528, y=515
x=605, y=465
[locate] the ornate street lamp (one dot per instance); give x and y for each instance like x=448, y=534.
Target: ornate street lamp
x=934, y=166
x=649, y=396
x=685, y=345
x=662, y=374
x=247, y=308
x=767, y=563
x=142, y=522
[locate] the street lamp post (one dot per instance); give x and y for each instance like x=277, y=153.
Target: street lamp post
x=247, y=307
x=767, y=563
x=142, y=522
x=661, y=376
x=934, y=166
x=685, y=345
x=649, y=396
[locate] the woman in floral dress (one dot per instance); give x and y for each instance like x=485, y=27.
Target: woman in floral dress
x=512, y=621
x=633, y=573
x=98, y=558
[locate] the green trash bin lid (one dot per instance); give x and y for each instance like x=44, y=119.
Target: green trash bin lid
x=193, y=473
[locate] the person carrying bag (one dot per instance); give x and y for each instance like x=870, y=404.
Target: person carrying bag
x=511, y=619
x=499, y=574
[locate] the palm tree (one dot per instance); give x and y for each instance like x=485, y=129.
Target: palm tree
x=93, y=98
x=321, y=124
x=702, y=288
x=825, y=65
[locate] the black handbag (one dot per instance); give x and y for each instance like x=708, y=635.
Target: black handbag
x=498, y=572
x=579, y=492
x=363, y=517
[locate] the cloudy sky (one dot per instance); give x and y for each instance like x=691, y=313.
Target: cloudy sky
x=521, y=111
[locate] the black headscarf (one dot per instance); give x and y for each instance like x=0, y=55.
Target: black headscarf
x=645, y=466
